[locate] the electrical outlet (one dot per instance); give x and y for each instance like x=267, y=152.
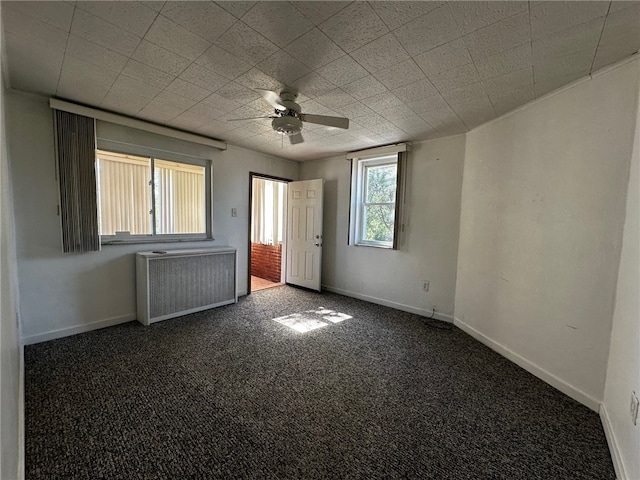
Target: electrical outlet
x=633, y=408
x=425, y=285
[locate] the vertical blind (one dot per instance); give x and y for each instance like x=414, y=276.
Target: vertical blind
x=75, y=148
x=267, y=216
x=179, y=198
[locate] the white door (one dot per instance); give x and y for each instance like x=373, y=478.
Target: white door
x=304, y=233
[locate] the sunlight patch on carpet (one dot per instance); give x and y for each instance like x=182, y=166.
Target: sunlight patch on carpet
x=312, y=319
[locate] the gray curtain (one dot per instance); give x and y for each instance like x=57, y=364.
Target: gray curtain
x=75, y=147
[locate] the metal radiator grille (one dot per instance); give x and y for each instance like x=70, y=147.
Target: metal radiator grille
x=181, y=283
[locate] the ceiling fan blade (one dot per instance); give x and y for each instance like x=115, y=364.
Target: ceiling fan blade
x=295, y=139
x=273, y=99
x=337, y=122
x=249, y=118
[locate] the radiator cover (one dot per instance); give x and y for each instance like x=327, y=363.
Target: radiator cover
x=184, y=281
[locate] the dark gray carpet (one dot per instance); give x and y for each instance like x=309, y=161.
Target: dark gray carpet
x=229, y=393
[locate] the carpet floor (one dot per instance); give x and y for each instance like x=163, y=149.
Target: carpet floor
x=230, y=393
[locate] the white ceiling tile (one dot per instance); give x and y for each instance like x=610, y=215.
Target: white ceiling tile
x=204, y=19
x=396, y=14
x=239, y=93
x=187, y=89
x=154, y=5
x=103, y=33
x=508, y=100
x=33, y=30
x=342, y=71
x=247, y=44
x=158, y=112
x=318, y=12
x=378, y=103
x=335, y=98
x=510, y=81
x=176, y=39
x=314, y=49
x=428, y=31
x=415, y=91
x=401, y=74
x=424, y=105
x=445, y=57
x=620, y=36
x=85, y=72
x=237, y=9
x=147, y=74
x=223, y=63
x=380, y=54
x=364, y=87
x=553, y=83
x=354, y=110
x=283, y=67
x=312, y=106
x=160, y=58
x=354, y=26
x=189, y=121
x=551, y=17
x=399, y=111
x=174, y=100
x=133, y=90
x=313, y=85
x=221, y=103
x=577, y=63
x=90, y=52
x=257, y=79
x=56, y=14
x=503, y=35
x=133, y=17
x=370, y=121
x=475, y=112
x=82, y=90
x=465, y=94
x=472, y=16
x=445, y=121
x=25, y=58
x=508, y=61
x=203, y=77
x=578, y=38
x=277, y=21
x=120, y=100
x=456, y=78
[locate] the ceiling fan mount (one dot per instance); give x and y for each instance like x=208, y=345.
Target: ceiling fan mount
x=288, y=118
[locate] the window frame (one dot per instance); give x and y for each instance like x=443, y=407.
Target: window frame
x=359, y=186
x=154, y=155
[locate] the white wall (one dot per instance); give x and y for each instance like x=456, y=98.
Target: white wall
x=61, y=294
x=623, y=370
x=10, y=350
x=429, y=245
x=543, y=202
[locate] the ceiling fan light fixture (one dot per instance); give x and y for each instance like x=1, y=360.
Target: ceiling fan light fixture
x=287, y=125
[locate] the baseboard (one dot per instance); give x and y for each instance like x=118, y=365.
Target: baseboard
x=531, y=367
x=616, y=457
x=398, y=306
x=67, y=331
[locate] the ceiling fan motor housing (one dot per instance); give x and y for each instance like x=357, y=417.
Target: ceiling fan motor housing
x=287, y=125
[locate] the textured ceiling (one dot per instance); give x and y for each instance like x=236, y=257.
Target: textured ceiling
x=401, y=71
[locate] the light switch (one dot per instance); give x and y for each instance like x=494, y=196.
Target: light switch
x=234, y=212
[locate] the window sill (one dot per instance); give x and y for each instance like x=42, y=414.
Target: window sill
x=384, y=247
x=133, y=241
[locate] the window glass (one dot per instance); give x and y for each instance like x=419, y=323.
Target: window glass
x=150, y=196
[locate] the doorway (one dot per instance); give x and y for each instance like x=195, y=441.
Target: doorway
x=267, y=231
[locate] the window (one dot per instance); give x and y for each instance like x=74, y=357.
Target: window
x=375, y=188
x=149, y=197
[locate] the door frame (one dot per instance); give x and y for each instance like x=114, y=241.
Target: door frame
x=262, y=176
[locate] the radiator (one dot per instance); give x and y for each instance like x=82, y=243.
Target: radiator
x=177, y=282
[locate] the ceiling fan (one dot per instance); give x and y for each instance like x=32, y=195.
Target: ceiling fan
x=288, y=118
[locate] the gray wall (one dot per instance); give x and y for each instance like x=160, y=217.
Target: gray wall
x=428, y=248
x=62, y=294
x=11, y=407
x=623, y=370
x=543, y=203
